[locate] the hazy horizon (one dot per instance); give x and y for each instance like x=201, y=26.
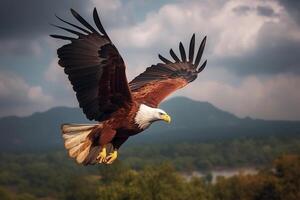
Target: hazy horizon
x=166, y=101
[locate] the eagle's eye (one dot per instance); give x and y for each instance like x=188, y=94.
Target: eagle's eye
x=160, y=113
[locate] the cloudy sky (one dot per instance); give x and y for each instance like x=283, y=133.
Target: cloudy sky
x=253, y=50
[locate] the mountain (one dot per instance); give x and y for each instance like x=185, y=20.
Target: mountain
x=195, y=120
x=192, y=121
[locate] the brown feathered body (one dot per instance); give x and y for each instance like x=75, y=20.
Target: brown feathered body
x=96, y=71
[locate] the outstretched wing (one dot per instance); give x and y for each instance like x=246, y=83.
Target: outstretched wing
x=160, y=80
x=95, y=69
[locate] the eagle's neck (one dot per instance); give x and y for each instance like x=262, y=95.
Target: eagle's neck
x=145, y=116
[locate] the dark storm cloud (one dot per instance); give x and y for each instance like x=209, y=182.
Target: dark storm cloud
x=31, y=18
x=275, y=53
x=241, y=10
x=261, y=10
x=265, y=11
x=19, y=47
x=293, y=8
x=23, y=23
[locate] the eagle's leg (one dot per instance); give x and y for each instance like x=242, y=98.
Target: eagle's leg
x=107, y=134
x=102, y=155
x=116, y=143
x=111, y=157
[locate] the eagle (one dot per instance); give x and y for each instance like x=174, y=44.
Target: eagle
x=121, y=109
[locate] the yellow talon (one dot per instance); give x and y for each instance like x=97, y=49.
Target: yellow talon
x=112, y=157
x=102, y=155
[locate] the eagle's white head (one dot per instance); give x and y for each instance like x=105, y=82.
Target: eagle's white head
x=146, y=115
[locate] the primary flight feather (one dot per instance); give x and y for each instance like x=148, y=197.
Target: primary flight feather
x=96, y=71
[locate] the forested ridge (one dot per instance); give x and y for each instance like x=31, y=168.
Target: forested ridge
x=280, y=180
x=156, y=172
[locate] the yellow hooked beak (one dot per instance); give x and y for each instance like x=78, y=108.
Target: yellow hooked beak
x=166, y=118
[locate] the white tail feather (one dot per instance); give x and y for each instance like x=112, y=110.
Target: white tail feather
x=76, y=139
x=73, y=152
x=77, y=127
x=82, y=155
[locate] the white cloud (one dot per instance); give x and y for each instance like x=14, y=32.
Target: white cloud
x=20, y=98
x=107, y=7
x=112, y=13
x=55, y=75
x=238, y=32
x=159, y=27
x=61, y=88
x=265, y=97
x=36, y=95
x=229, y=32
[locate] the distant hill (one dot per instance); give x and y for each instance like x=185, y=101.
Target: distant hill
x=192, y=121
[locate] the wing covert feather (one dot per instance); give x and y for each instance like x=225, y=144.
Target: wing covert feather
x=160, y=80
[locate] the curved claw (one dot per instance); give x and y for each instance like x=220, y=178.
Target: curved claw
x=102, y=155
x=111, y=157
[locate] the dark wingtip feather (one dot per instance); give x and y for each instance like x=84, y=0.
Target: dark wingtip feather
x=98, y=22
x=73, y=12
x=192, y=49
x=83, y=21
x=202, y=67
x=69, y=30
x=174, y=56
x=62, y=37
x=78, y=27
x=164, y=59
x=200, y=52
x=182, y=52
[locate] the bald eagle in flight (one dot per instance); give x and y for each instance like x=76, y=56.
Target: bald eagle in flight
x=96, y=71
